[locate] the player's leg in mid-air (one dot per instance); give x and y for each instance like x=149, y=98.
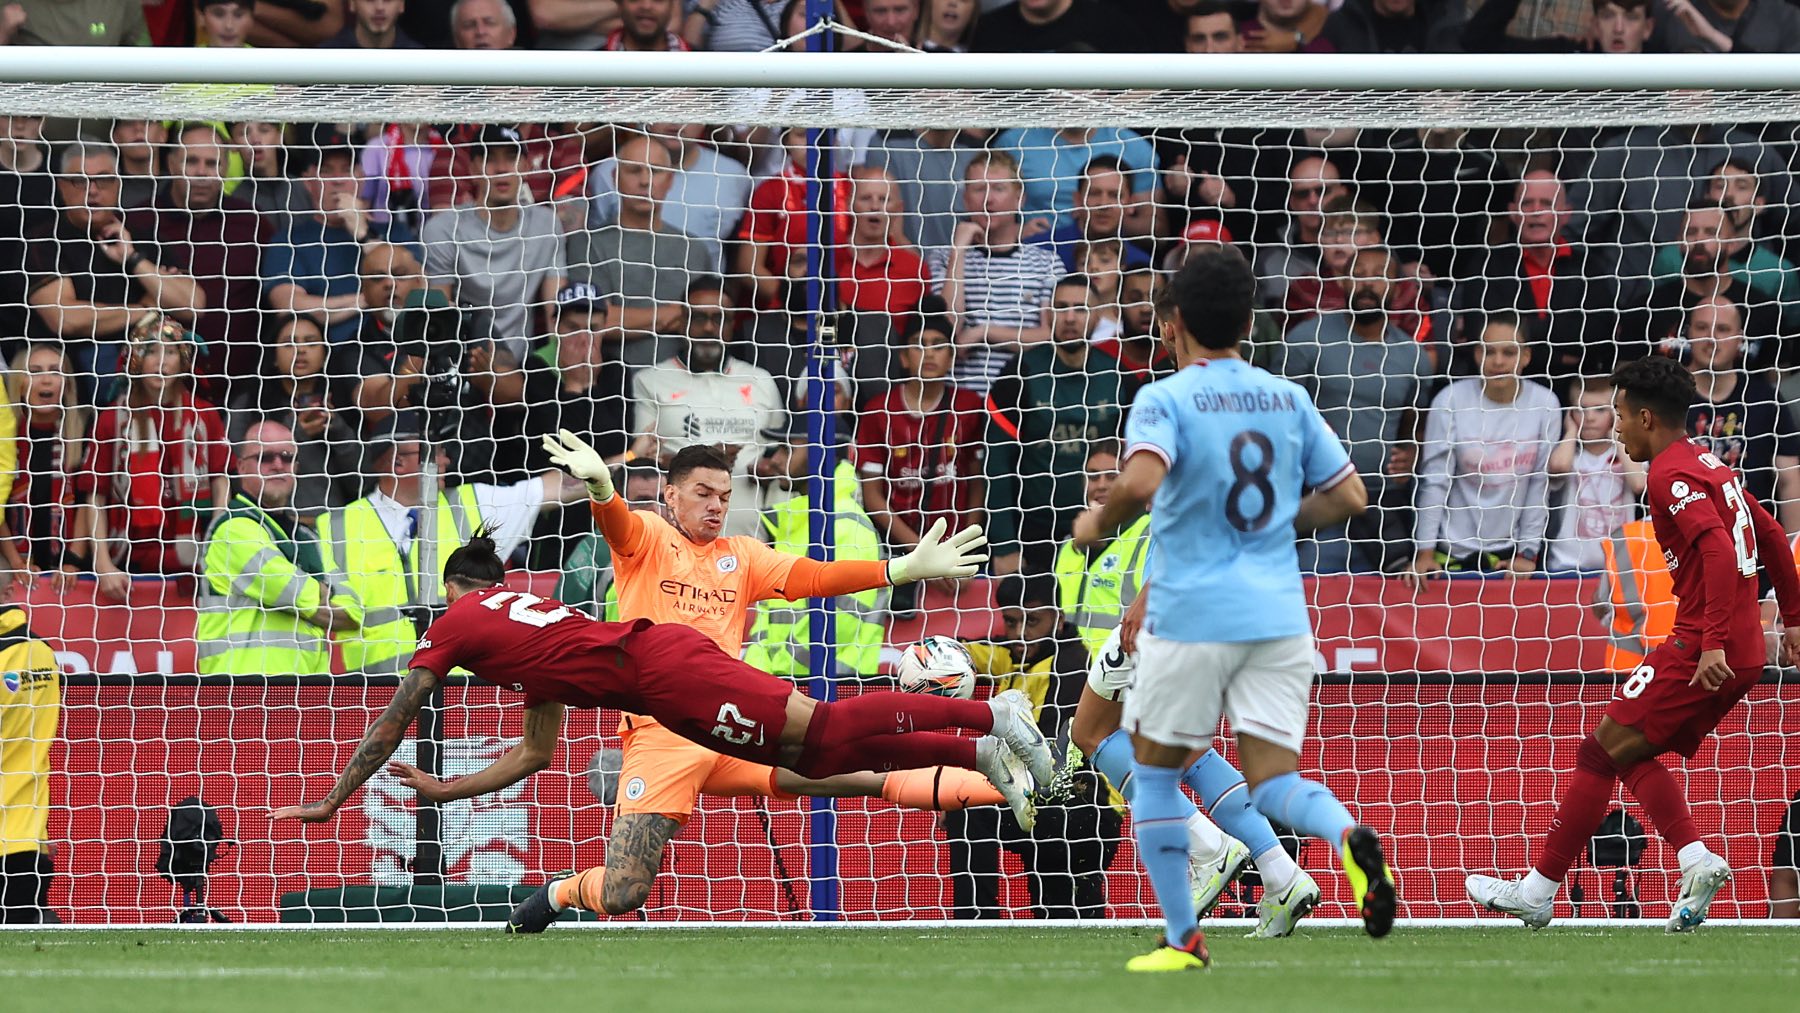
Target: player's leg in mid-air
x=660, y=781
x=1217, y=854
x=705, y=696
x=1657, y=711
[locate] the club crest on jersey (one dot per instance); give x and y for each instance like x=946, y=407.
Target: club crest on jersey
x=727, y=564
x=634, y=788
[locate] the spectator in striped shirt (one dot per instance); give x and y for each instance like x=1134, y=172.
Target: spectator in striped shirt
x=998, y=288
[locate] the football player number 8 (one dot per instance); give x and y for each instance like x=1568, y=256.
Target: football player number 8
x=1638, y=681
x=522, y=608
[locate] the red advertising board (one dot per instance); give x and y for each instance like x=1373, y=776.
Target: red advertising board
x=1461, y=776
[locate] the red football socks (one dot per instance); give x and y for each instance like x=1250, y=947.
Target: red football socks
x=1663, y=800
x=890, y=731
x=899, y=713
x=1579, y=814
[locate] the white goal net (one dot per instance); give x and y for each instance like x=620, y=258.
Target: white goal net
x=224, y=290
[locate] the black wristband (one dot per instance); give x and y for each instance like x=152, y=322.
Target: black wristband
x=133, y=262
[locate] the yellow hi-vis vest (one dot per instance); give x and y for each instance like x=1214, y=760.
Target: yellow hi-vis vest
x=360, y=555
x=30, y=705
x=780, y=639
x=1635, y=601
x=1094, y=593
x=257, y=580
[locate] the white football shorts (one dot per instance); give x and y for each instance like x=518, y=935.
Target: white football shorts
x=1180, y=690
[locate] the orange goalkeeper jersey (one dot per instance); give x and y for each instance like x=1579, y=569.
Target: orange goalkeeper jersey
x=664, y=577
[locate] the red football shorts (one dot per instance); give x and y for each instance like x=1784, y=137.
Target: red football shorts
x=1658, y=700
x=704, y=695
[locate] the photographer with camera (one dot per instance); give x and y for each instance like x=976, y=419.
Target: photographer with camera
x=387, y=547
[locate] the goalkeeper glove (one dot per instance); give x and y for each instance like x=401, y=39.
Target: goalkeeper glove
x=572, y=454
x=935, y=556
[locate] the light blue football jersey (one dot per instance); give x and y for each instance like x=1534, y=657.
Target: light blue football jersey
x=1242, y=447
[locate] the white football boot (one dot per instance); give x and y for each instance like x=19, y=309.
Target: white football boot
x=1699, y=885
x=1016, y=725
x=1006, y=772
x=1209, y=878
x=1277, y=914
x=1502, y=895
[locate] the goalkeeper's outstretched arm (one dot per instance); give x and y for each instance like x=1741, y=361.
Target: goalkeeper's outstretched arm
x=378, y=743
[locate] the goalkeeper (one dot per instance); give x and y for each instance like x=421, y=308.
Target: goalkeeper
x=684, y=570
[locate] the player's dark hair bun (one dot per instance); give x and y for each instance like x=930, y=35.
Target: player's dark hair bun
x=478, y=561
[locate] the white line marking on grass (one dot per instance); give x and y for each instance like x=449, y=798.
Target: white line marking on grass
x=344, y=973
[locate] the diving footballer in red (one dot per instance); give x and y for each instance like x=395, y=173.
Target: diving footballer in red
x=1716, y=539
x=558, y=657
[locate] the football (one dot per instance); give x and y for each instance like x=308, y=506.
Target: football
x=939, y=665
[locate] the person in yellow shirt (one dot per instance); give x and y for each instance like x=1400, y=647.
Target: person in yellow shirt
x=683, y=569
x=30, y=705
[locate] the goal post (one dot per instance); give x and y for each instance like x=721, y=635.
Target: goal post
x=1446, y=717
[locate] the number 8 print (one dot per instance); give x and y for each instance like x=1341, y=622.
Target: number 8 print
x=1639, y=681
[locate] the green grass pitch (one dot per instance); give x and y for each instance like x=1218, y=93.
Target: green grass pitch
x=927, y=970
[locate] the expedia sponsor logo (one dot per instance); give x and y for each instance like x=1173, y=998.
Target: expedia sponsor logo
x=425, y=644
x=1683, y=494
x=694, y=592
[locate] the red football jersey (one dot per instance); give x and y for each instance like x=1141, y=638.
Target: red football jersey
x=931, y=461
x=1693, y=492
x=535, y=646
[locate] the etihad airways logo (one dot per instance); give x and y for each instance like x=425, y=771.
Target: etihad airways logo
x=694, y=592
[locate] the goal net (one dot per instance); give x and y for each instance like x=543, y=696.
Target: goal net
x=228, y=279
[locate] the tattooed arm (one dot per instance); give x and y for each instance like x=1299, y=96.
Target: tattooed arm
x=382, y=738
x=543, y=727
